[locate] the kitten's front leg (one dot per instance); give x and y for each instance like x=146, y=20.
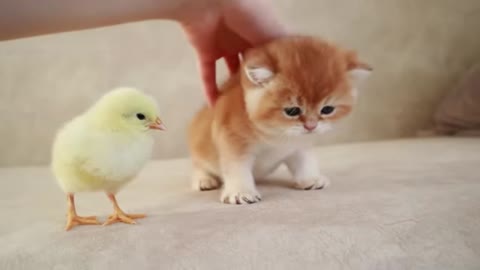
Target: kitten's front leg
x=239, y=184
x=304, y=168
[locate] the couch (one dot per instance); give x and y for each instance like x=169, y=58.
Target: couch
x=400, y=204
x=397, y=200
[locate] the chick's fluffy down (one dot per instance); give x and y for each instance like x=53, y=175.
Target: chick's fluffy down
x=86, y=159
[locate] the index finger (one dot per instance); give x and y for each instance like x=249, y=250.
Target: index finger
x=208, y=73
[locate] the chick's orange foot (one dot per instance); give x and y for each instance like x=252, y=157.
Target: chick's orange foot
x=118, y=215
x=122, y=217
x=74, y=220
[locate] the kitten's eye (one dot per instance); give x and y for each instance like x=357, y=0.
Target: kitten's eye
x=292, y=111
x=140, y=116
x=327, y=110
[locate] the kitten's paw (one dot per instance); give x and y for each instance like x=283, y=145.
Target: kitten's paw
x=205, y=182
x=240, y=197
x=319, y=182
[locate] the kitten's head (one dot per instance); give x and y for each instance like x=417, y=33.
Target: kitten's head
x=300, y=85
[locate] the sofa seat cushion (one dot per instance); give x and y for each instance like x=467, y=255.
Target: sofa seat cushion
x=406, y=204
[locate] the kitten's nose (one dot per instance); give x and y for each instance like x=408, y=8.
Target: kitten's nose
x=310, y=125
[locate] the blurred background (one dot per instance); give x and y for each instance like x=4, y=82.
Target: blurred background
x=418, y=50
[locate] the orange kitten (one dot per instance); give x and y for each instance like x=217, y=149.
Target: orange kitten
x=286, y=92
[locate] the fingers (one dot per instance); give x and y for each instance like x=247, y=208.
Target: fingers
x=208, y=73
x=233, y=63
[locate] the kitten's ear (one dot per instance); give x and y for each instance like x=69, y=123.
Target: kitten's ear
x=258, y=75
x=359, y=72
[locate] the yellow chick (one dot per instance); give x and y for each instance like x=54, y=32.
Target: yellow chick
x=104, y=149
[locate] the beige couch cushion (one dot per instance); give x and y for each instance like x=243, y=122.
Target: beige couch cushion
x=411, y=204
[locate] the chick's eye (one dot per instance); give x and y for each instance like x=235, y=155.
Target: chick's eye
x=140, y=116
x=327, y=110
x=292, y=111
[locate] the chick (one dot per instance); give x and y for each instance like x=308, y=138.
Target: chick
x=104, y=149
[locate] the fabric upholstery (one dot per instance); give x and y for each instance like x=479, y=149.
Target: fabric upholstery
x=407, y=204
x=459, y=112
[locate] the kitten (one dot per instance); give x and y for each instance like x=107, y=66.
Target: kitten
x=286, y=92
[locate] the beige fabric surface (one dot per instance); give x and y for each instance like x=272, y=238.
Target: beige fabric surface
x=409, y=204
x=418, y=49
x=459, y=112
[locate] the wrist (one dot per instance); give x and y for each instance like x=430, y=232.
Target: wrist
x=186, y=11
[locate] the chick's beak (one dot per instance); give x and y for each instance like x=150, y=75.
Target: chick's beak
x=157, y=125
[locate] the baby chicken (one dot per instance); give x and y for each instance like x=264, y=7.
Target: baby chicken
x=104, y=149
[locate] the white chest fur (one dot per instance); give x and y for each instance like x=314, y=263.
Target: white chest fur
x=269, y=156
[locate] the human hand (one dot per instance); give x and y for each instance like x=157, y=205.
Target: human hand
x=225, y=29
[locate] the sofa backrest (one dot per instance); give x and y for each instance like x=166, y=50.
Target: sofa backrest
x=418, y=50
